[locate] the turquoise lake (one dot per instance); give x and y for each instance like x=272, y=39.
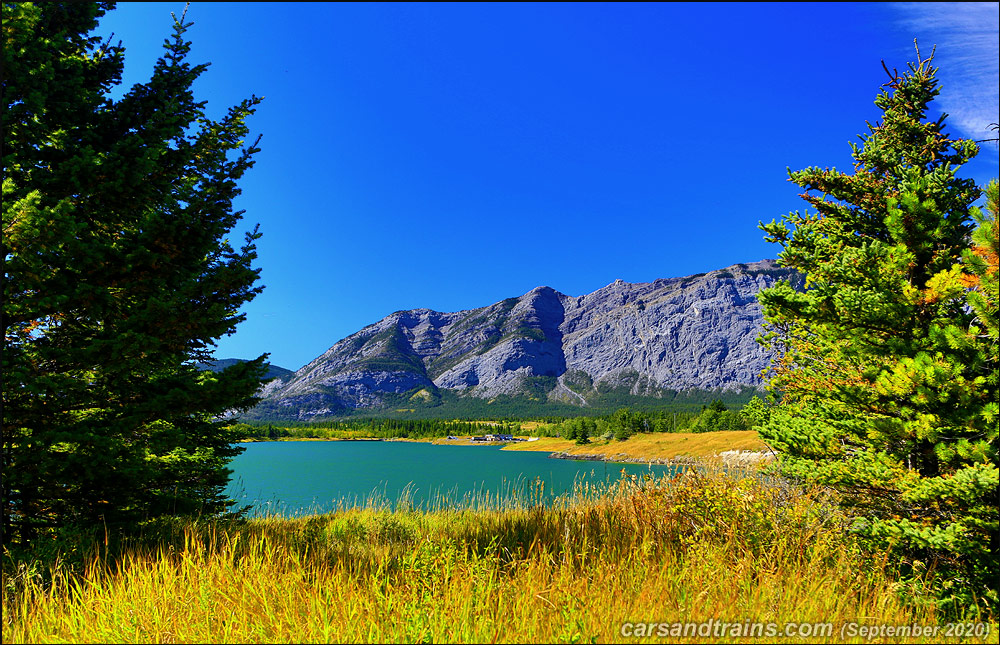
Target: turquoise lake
x=303, y=477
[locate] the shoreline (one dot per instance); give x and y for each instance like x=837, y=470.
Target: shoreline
x=729, y=447
x=681, y=448
x=621, y=458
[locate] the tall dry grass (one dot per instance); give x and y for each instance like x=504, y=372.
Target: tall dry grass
x=697, y=547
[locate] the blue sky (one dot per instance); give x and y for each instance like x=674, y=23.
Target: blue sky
x=451, y=155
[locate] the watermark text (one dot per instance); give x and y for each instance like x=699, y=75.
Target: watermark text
x=713, y=628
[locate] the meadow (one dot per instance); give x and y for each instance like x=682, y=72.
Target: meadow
x=706, y=545
x=652, y=445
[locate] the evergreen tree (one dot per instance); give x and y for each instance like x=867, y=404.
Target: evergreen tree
x=755, y=413
x=117, y=280
x=716, y=405
x=888, y=359
x=623, y=424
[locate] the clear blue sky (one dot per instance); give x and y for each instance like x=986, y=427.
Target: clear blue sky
x=451, y=155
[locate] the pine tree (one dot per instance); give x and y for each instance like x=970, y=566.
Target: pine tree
x=118, y=280
x=755, y=413
x=888, y=359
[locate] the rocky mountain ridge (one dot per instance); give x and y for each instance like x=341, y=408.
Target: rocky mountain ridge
x=273, y=371
x=694, y=332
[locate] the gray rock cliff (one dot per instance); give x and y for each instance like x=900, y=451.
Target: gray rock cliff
x=696, y=332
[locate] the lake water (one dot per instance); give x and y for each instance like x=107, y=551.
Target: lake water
x=302, y=477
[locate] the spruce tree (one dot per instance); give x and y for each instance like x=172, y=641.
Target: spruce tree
x=118, y=280
x=887, y=367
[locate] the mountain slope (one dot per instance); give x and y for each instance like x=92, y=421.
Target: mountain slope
x=696, y=332
x=273, y=371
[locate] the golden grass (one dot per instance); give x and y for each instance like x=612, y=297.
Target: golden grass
x=660, y=445
x=691, y=549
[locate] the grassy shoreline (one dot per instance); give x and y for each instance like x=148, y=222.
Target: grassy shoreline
x=698, y=547
x=681, y=447
x=706, y=546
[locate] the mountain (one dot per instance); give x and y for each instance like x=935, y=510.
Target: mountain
x=273, y=371
x=647, y=340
